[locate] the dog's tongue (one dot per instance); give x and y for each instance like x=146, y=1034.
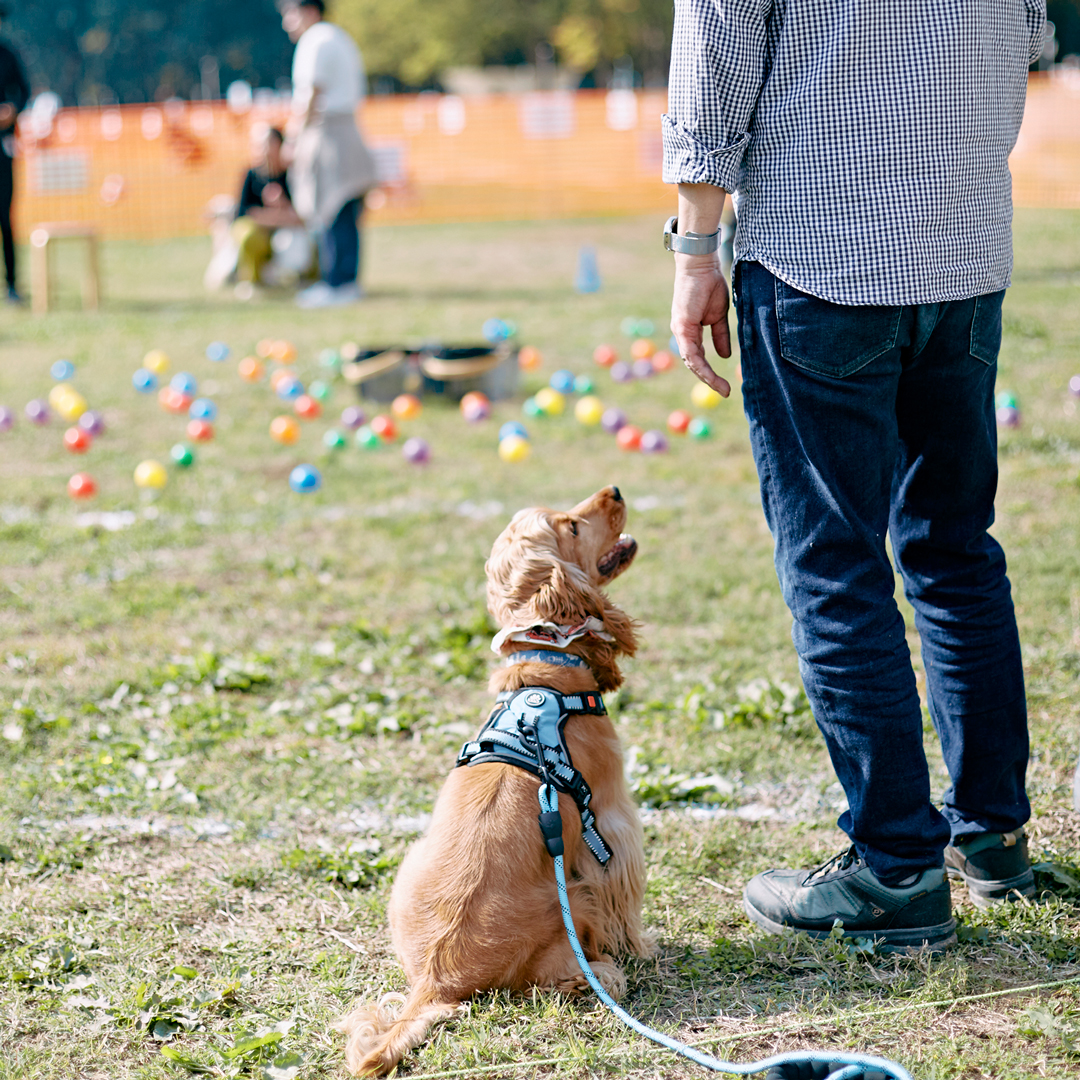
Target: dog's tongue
x=618, y=558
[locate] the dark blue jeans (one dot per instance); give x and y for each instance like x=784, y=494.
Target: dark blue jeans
x=873, y=420
x=339, y=246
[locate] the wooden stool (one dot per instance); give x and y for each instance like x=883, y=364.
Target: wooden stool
x=40, y=277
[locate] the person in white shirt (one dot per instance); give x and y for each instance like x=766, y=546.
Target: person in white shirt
x=331, y=168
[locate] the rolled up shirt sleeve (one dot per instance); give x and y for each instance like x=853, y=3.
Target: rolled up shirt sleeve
x=718, y=65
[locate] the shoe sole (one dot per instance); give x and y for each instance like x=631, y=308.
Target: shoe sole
x=988, y=894
x=932, y=938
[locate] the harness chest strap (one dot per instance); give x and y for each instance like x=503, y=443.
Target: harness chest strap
x=526, y=729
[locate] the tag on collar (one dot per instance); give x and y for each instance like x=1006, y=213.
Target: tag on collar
x=550, y=636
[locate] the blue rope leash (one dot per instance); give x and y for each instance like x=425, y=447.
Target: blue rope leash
x=843, y=1066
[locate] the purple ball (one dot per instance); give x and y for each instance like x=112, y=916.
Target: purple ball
x=38, y=411
x=653, y=442
x=643, y=369
x=476, y=411
x=622, y=371
x=7, y=419
x=1074, y=386
x=416, y=450
x=1008, y=417
x=612, y=420
x=352, y=417
x=92, y=422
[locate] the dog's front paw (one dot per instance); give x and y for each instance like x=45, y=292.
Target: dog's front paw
x=606, y=970
x=646, y=944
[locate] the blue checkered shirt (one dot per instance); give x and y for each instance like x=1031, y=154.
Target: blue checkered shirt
x=866, y=142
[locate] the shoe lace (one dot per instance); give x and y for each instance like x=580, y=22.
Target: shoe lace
x=838, y=862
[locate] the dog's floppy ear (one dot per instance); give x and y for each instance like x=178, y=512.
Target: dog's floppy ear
x=565, y=598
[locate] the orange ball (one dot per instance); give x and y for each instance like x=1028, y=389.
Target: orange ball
x=605, y=355
x=307, y=407
x=200, y=430
x=662, y=360
x=82, y=486
x=642, y=348
x=285, y=429
x=265, y=349
x=277, y=376
x=77, y=440
x=629, y=437
x=678, y=421
x=384, y=427
x=406, y=407
x=251, y=370
x=173, y=400
x=284, y=352
x=529, y=358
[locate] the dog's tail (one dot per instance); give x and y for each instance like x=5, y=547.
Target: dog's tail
x=380, y=1036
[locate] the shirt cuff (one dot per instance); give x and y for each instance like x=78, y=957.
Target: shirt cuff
x=687, y=160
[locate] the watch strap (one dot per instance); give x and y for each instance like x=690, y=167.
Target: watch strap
x=689, y=243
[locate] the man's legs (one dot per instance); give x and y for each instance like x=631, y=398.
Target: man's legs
x=339, y=246
x=7, y=188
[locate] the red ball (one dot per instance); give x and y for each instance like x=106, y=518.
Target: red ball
x=679, y=421
x=605, y=355
x=662, y=360
x=307, y=407
x=77, y=440
x=200, y=430
x=82, y=486
x=629, y=437
x=384, y=427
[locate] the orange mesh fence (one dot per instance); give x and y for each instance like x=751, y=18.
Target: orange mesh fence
x=150, y=171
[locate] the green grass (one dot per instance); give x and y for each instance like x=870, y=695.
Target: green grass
x=224, y=723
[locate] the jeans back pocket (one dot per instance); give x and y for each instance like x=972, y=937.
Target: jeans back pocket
x=986, y=327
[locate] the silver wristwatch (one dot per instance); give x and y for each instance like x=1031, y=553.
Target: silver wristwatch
x=690, y=243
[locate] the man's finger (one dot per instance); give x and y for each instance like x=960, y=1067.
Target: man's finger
x=721, y=337
x=701, y=368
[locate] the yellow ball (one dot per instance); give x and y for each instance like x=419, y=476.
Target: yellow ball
x=514, y=448
x=156, y=361
x=550, y=401
x=705, y=397
x=150, y=474
x=72, y=405
x=406, y=407
x=589, y=410
x=58, y=393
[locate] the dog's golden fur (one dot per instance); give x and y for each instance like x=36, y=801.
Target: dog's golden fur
x=475, y=906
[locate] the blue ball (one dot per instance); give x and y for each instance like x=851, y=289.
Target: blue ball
x=202, y=409
x=673, y=345
x=217, y=351
x=563, y=381
x=495, y=330
x=305, y=478
x=62, y=370
x=183, y=383
x=512, y=427
x=144, y=381
x=290, y=389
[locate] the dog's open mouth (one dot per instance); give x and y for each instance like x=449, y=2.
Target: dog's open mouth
x=615, y=561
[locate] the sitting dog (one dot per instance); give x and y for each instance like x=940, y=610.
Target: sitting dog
x=475, y=906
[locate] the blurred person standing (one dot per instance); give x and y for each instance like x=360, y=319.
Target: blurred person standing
x=332, y=169
x=14, y=94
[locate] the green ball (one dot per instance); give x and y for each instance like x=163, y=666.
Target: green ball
x=698, y=428
x=629, y=326
x=330, y=358
x=334, y=440
x=182, y=455
x=366, y=439
x=1005, y=400
x=319, y=390
x=530, y=407
x=583, y=385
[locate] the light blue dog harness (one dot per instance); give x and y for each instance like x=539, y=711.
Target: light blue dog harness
x=526, y=729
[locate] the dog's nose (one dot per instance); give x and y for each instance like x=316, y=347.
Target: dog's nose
x=616, y=494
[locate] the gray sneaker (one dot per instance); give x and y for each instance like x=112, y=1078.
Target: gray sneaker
x=900, y=919
x=995, y=867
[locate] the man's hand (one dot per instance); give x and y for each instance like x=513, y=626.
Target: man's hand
x=700, y=299
x=7, y=115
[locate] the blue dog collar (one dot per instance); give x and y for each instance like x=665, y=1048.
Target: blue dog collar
x=545, y=656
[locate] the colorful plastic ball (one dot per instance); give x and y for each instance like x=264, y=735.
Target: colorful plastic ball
x=384, y=427
x=514, y=448
x=673, y=345
x=562, y=381
x=7, y=418
x=330, y=359
x=319, y=390
x=200, y=430
x=613, y=420
x=699, y=428
x=278, y=376
x=156, y=361
x=289, y=389
x=334, y=440
x=203, y=409
x=305, y=479
x=662, y=360
x=285, y=429
x=622, y=372
x=366, y=439
x=529, y=358
x=184, y=383
x=250, y=369
x=512, y=428
x=77, y=440
x=704, y=397
x=82, y=486
x=1074, y=386
x=653, y=442
x=495, y=330
x=406, y=407
x=678, y=421
x=307, y=407
x=642, y=369
x=475, y=407
x=551, y=402
x=1008, y=416
x=145, y=381
x=92, y=422
x=182, y=456
x=1005, y=399
x=150, y=474
x=605, y=355
x=644, y=327
x=629, y=326
x=352, y=417
x=284, y=352
x=531, y=407
x=169, y=399
x=583, y=385
x=629, y=437
x=643, y=348
x=265, y=348
x=62, y=370
x=71, y=405
x=58, y=393
x=416, y=450
x=38, y=411
x=217, y=351
x=589, y=411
